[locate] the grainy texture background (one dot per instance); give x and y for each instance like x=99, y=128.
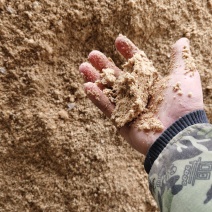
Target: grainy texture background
x=57, y=158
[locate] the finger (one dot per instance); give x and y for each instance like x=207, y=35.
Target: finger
x=100, y=61
x=99, y=99
x=125, y=46
x=181, y=55
x=89, y=73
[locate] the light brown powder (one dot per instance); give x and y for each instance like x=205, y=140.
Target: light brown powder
x=49, y=164
x=132, y=91
x=190, y=66
x=107, y=77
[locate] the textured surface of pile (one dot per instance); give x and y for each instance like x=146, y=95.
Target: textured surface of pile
x=57, y=151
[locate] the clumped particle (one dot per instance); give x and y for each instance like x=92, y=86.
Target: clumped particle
x=176, y=87
x=131, y=92
x=179, y=93
x=190, y=94
x=63, y=114
x=107, y=77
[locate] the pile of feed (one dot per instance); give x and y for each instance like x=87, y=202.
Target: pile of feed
x=57, y=151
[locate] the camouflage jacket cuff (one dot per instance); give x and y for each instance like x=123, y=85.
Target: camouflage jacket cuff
x=192, y=118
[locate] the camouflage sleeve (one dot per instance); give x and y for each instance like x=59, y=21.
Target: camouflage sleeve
x=180, y=178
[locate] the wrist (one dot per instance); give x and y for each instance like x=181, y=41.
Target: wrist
x=189, y=119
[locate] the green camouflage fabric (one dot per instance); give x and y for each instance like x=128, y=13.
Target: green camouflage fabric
x=180, y=179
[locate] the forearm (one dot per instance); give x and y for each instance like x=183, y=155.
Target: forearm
x=180, y=177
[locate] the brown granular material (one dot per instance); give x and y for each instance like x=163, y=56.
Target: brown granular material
x=190, y=66
x=132, y=91
x=53, y=162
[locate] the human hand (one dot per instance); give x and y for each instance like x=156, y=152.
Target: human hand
x=181, y=94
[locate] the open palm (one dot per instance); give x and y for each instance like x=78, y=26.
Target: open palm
x=181, y=95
